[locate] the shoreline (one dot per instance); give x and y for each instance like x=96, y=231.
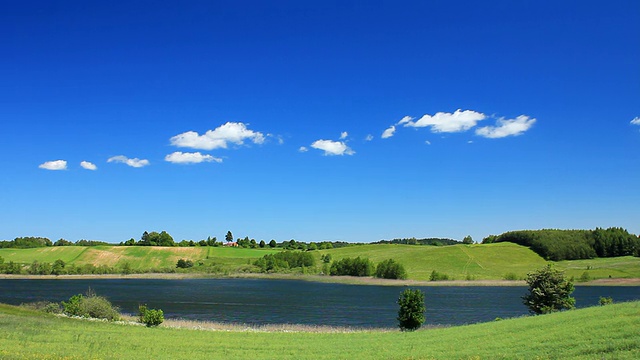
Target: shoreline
x=348, y=280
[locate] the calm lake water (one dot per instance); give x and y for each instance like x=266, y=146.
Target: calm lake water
x=260, y=302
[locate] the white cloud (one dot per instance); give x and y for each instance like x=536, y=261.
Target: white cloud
x=636, y=121
x=428, y=142
x=457, y=121
x=230, y=132
x=504, y=128
x=179, y=157
x=405, y=120
x=343, y=135
x=88, y=165
x=135, y=162
x=368, y=138
x=389, y=132
x=54, y=165
x=332, y=147
x=303, y=149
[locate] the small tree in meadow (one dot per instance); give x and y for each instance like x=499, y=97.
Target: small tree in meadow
x=549, y=291
x=411, y=312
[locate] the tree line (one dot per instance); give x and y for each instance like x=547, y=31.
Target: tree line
x=557, y=245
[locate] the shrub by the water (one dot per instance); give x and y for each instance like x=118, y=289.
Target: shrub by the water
x=390, y=269
x=91, y=306
x=150, y=317
x=412, y=309
x=285, y=260
x=438, y=276
x=352, y=267
x=605, y=301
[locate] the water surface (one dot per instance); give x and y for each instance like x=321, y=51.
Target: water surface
x=260, y=301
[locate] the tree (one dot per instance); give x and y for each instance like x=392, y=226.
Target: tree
x=467, y=240
x=412, y=309
x=262, y=244
x=390, y=269
x=229, y=237
x=549, y=291
x=272, y=244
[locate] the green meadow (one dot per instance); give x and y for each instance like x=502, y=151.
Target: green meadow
x=459, y=262
x=607, y=332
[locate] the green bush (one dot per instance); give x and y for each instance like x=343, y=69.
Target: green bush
x=510, y=276
x=411, y=312
x=285, y=260
x=438, y=276
x=150, y=317
x=184, y=264
x=390, y=269
x=605, y=301
x=352, y=267
x=91, y=306
x=549, y=291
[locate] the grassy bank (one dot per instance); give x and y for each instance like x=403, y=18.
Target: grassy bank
x=493, y=262
x=592, y=333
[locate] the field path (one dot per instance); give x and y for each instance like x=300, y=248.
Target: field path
x=470, y=260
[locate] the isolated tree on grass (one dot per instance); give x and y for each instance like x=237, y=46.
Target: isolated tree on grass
x=412, y=309
x=229, y=237
x=549, y=291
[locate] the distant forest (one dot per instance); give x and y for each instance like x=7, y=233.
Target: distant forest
x=426, y=241
x=557, y=245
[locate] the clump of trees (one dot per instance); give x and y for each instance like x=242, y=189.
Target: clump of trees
x=284, y=261
x=411, y=312
x=548, y=291
x=352, y=267
x=438, y=276
x=26, y=242
x=560, y=245
x=390, y=269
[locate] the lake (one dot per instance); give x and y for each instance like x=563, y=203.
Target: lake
x=260, y=302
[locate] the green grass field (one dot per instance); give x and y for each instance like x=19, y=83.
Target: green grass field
x=459, y=262
x=491, y=262
x=609, y=332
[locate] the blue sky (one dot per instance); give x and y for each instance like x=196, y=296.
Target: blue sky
x=318, y=120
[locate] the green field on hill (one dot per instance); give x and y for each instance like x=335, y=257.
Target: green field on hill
x=607, y=332
x=460, y=262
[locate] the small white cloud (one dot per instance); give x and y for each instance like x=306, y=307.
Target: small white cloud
x=179, y=157
x=389, y=132
x=504, y=128
x=368, y=138
x=636, y=121
x=332, y=147
x=303, y=149
x=54, y=165
x=405, y=120
x=343, y=135
x=470, y=142
x=428, y=142
x=457, y=121
x=135, y=162
x=88, y=165
x=230, y=132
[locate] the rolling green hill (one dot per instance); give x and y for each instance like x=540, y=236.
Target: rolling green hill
x=459, y=262
x=607, y=332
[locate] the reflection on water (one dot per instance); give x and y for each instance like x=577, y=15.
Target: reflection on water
x=260, y=302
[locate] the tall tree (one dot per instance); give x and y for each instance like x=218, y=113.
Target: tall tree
x=229, y=236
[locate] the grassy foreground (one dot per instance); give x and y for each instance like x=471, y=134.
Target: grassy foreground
x=592, y=333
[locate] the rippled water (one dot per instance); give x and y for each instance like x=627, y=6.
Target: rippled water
x=259, y=302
